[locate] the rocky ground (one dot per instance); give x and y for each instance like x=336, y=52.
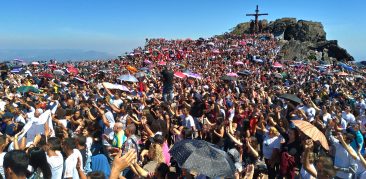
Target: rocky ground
x=300, y=39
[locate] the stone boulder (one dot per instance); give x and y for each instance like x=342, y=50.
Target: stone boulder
x=296, y=50
x=279, y=26
x=334, y=50
x=305, y=31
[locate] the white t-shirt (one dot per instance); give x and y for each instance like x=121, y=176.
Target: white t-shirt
x=2, y=171
x=360, y=106
x=56, y=163
x=350, y=118
x=326, y=118
x=30, y=113
x=70, y=165
x=109, y=130
x=269, y=144
x=189, y=122
x=310, y=112
x=2, y=105
x=20, y=118
x=231, y=114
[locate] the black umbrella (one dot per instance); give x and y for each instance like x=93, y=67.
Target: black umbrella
x=245, y=72
x=228, y=78
x=291, y=97
x=203, y=157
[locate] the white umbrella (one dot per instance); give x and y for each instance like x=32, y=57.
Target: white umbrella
x=211, y=44
x=35, y=63
x=113, y=86
x=58, y=72
x=128, y=77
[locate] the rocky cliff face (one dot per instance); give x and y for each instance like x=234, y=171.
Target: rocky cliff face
x=301, y=39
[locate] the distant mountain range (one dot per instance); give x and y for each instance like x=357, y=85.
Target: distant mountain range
x=57, y=54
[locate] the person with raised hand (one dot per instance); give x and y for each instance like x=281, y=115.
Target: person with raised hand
x=120, y=163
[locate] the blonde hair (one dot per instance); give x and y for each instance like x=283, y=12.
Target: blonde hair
x=157, y=152
x=274, y=131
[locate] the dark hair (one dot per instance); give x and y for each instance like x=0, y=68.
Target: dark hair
x=172, y=175
x=69, y=143
x=38, y=159
x=81, y=140
x=43, y=141
x=162, y=170
x=17, y=161
x=54, y=143
x=96, y=175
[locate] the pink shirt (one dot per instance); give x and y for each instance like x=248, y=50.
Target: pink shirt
x=166, y=153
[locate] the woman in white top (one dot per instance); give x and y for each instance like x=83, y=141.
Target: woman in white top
x=54, y=157
x=271, y=149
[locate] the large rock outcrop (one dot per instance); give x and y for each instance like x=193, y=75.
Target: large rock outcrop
x=306, y=31
x=300, y=39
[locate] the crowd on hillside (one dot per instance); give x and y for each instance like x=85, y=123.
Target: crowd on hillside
x=122, y=118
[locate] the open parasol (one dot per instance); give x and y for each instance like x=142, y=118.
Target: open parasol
x=72, y=70
x=244, y=72
x=80, y=79
x=291, y=97
x=277, y=65
x=228, y=78
x=24, y=89
x=128, y=78
x=312, y=132
x=46, y=75
x=179, y=74
x=58, y=72
x=131, y=69
x=232, y=74
x=204, y=158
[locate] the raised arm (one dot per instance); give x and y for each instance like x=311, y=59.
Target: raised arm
x=362, y=159
x=236, y=141
x=347, y=147
x=147, y=129
x=107, y=90
x=307, y=165
x=101, y=113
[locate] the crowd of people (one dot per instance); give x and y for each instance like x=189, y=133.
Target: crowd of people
x=120, y=118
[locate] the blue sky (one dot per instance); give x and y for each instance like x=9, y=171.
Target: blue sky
x=116, y=26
